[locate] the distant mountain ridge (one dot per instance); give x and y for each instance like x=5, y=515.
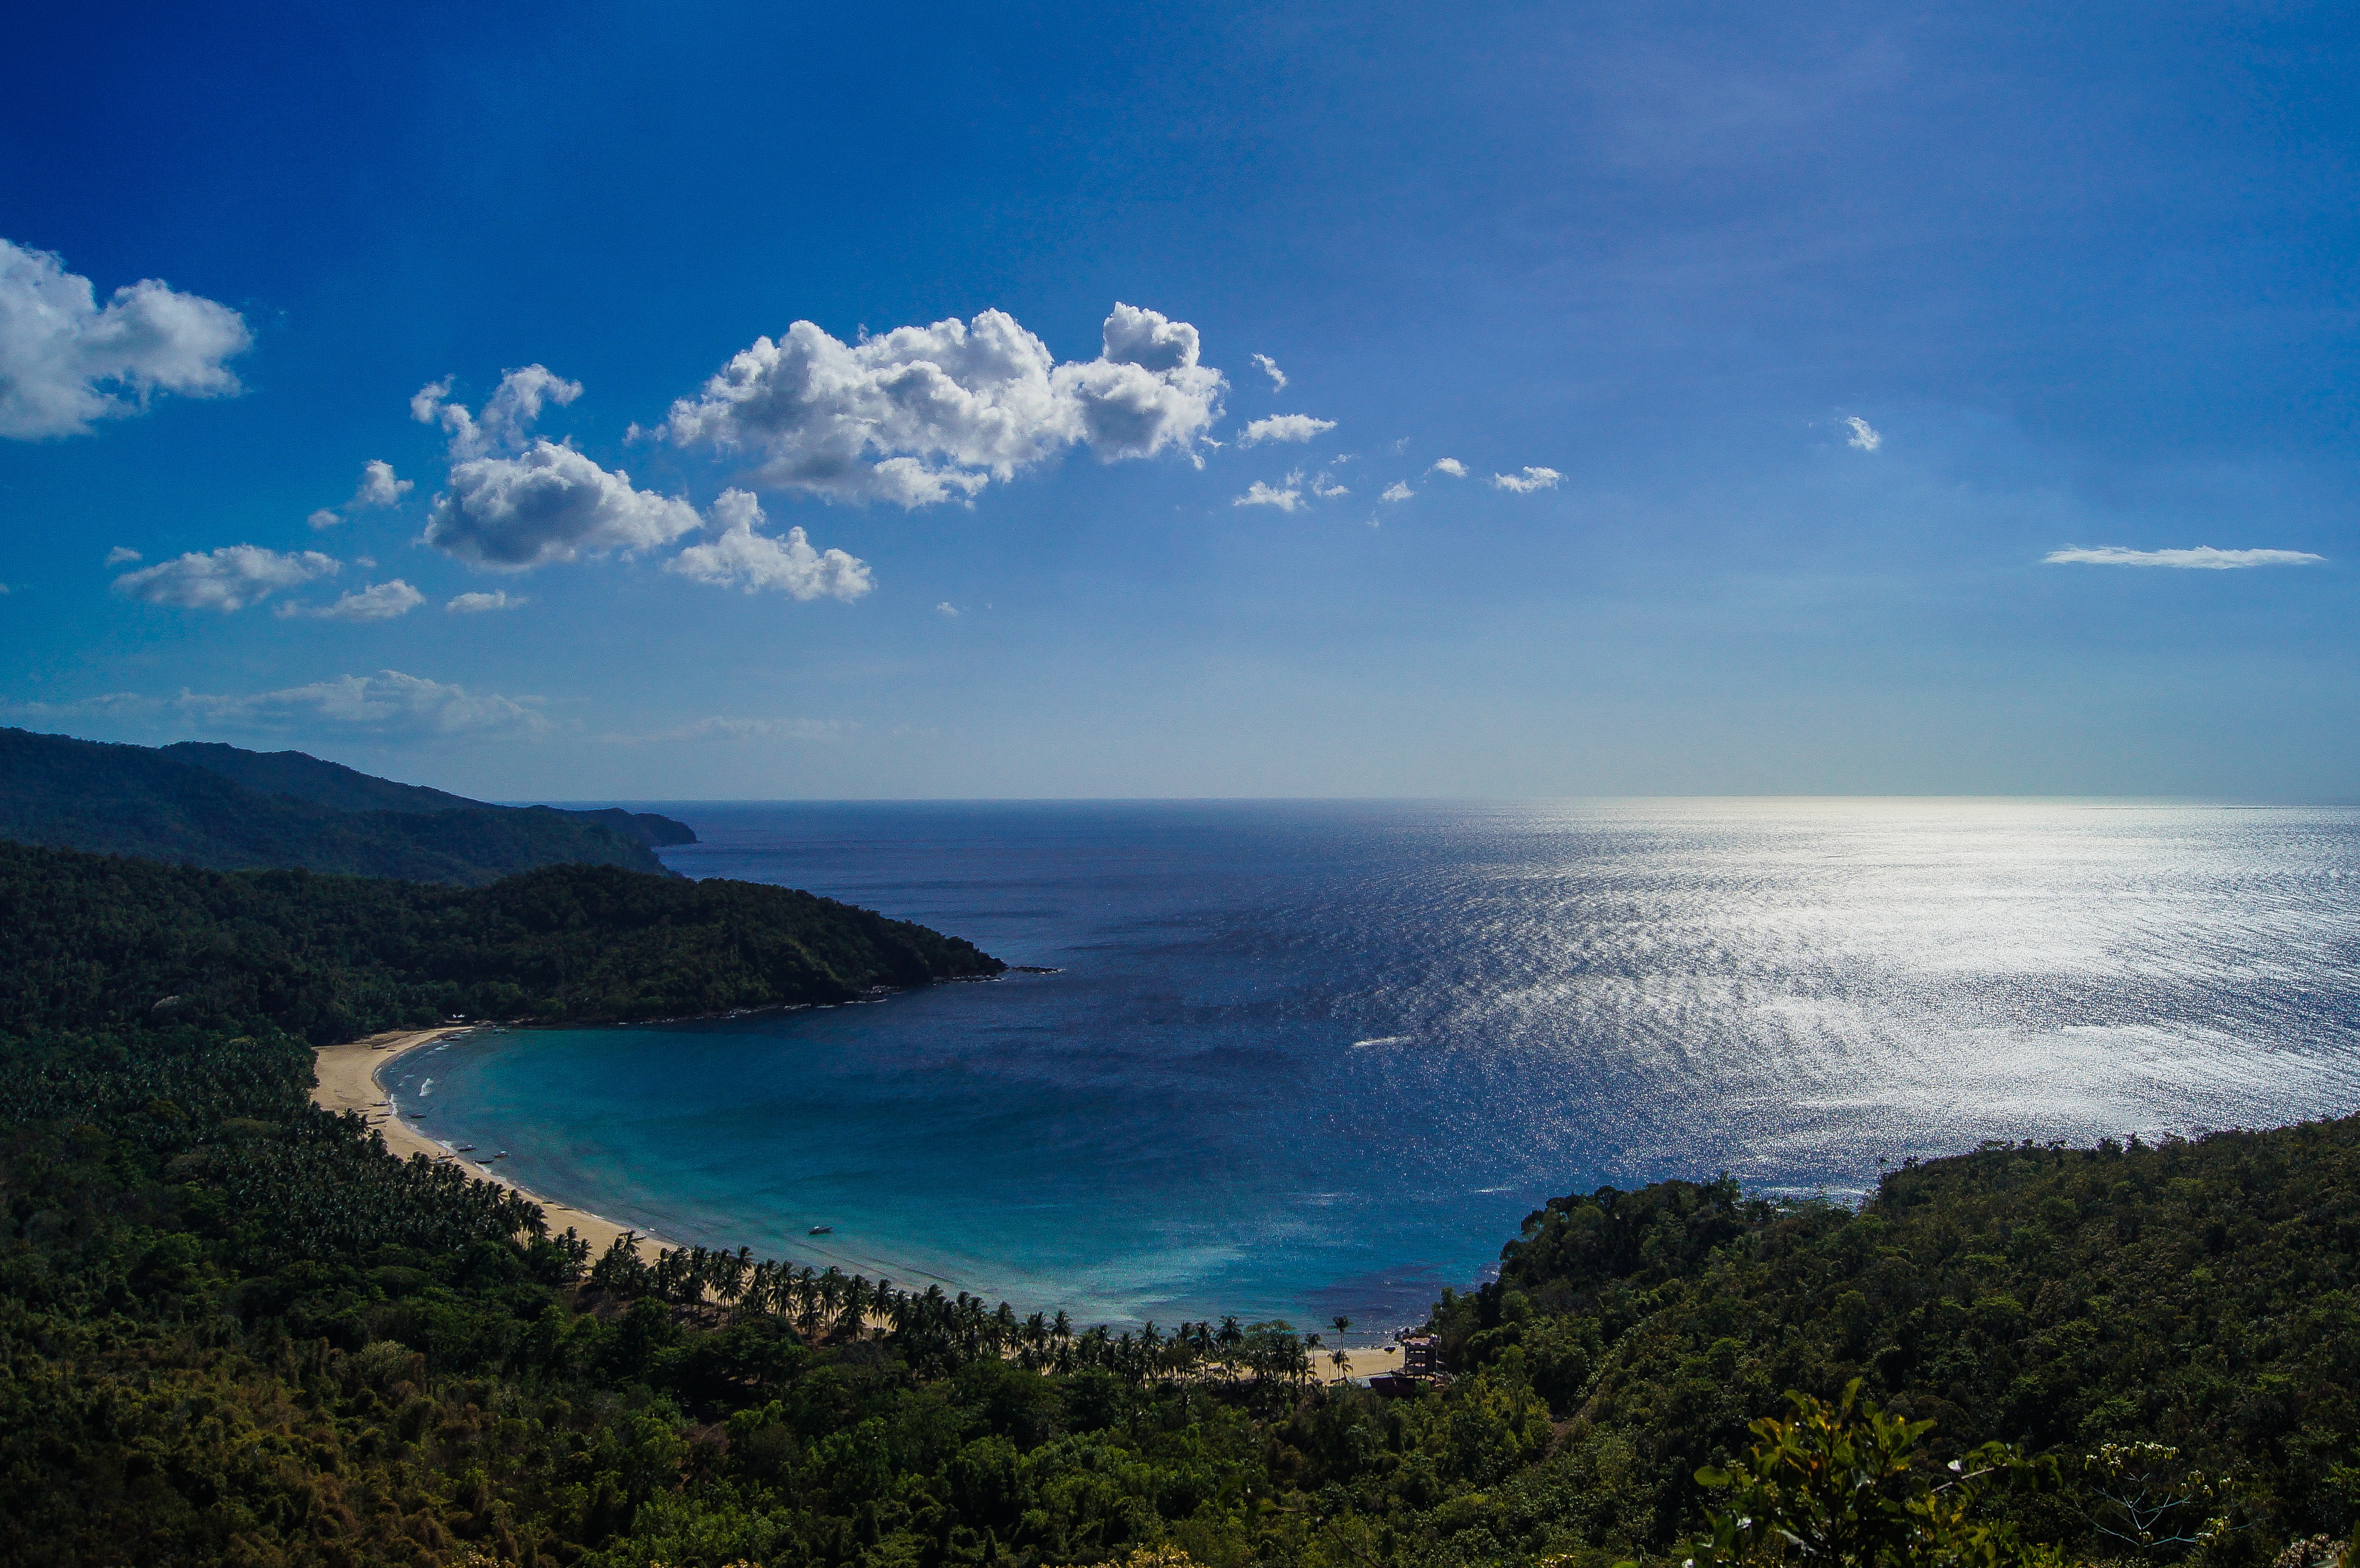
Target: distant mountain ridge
x=228, y=809
x=307, y=777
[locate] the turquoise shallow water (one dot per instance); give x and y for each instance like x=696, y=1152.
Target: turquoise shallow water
x=1305, y=1060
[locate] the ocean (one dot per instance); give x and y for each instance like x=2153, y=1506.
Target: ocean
x=1308, y=1059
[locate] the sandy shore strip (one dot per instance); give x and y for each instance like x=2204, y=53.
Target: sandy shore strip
x=1367, y=1361
x=346, y=1079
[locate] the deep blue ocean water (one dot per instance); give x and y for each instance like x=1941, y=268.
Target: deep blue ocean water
x=1302, y=1059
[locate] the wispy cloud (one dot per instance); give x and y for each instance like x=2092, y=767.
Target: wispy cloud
x=1261, y=494
x=388, y=703
x=1283, y=427
x=1862, y=436
x=1528, y=481
x=121, y=556
x=1450, y=466
x=741, y=729
x=1327, y=488
x=479, y=603
x=378, y=601
x=1268, y=366
x=66, y=361
x=1398, y=490
x=947, y=610
x=226, y=579
x=2202, y=557
x=379, y=488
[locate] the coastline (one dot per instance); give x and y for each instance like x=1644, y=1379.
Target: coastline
x=345, y=1078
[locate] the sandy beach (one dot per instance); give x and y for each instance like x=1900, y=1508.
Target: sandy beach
x=346, y=1079
x=1367, y=1361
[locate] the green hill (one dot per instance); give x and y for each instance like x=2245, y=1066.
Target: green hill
x=234, y=1330
x=110, y=943
x=227, y=809
x=307, y=777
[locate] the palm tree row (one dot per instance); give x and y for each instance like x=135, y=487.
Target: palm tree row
x=331, y=1193
x=937, y=1333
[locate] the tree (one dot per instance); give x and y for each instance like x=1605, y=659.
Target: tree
x=1838, y=1485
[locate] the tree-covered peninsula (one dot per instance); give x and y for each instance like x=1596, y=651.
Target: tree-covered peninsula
x=234, y=1330
x=112, y=943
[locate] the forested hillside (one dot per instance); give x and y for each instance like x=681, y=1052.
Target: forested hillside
x=234, y=1330
x=306, y=777
x=107, y=942
x=132, y=800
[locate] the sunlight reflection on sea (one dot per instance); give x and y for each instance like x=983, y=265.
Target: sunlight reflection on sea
x=1313, y=1058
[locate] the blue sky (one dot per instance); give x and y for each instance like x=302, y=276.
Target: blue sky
x=2084, y=278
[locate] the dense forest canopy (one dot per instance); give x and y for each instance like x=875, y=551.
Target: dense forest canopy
x=234, y=1330
x=227, y=809
x=109, y=942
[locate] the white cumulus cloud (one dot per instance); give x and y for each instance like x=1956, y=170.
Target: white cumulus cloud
x=1268, y=366
x=1283, y=427
x=1528, y=481
x=378, y=601
x=1450, y=466
x=226, y=579
x=477, y=603
x=66, y=360
x=379, y=488
x=737, y=556
x=1261, y=494
x=508, y=415
x=121, y=556
x=515, y=501
x=924, y=414
x=1327, y=488
x=1397, y=491
x=1862, y=436
x=548, y=503
x=2202, y=557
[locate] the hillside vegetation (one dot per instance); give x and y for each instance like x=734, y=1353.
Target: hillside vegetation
x=107, y=942
x=180, y=804
x=306, y=777
x=234, y=1330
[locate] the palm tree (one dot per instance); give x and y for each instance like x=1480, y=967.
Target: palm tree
x=1229, y=1338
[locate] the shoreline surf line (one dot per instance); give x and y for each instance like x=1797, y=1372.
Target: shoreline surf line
x=345, y=1078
